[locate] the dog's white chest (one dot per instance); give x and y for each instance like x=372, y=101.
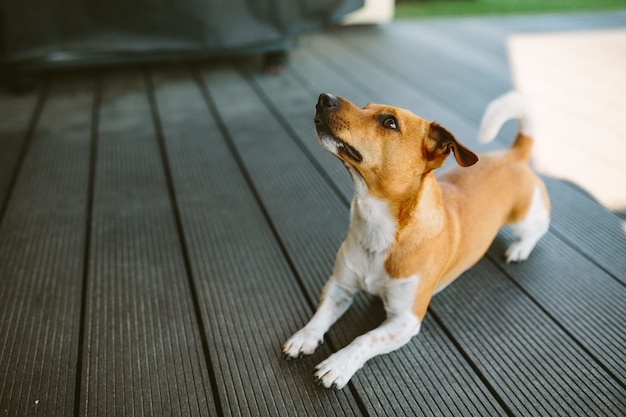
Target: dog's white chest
x=372, y=276
x=368, y=273
x=372, y=224
x=372, y=232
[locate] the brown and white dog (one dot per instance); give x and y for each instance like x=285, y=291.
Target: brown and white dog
x=411, y=234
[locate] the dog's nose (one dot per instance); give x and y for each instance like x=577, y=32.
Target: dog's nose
x=327, y=101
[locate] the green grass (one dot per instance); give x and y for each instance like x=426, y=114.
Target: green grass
x=428, y=8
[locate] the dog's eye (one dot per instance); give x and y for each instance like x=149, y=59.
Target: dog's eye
x=390, y=122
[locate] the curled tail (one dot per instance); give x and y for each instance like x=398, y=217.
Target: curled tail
x=512, y=105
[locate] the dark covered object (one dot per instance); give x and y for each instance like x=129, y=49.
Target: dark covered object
x=70, y=30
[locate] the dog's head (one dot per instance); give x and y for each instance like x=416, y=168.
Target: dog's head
x=390, y=148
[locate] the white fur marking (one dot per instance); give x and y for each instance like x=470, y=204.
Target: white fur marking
x=371, y=221
x=400, y=294
x=401, y=325
x=360, y=265
x=335, y=301
x=512, y=105
x=529, y=230
x=330, y=144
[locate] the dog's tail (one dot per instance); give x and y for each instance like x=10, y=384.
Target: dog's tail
x=512, y=105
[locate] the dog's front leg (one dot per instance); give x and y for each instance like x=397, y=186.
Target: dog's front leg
x=399, y=327
x=334, y=302
x=336, y=297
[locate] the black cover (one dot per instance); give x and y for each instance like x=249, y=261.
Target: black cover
x=62, y=30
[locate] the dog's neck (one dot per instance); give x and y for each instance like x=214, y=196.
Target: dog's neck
x=377, y=222
x=371, y=219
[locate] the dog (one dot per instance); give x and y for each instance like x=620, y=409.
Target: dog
x=411, y=234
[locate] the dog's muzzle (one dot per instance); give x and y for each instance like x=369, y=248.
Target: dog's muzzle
x=325, y=110
x=326, y=103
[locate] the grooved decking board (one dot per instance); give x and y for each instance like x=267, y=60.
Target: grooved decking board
x=311, y=221
x=594, y=231
x=249, y=298
x=291, y=99
x=584, y=300
x=142, y=350
x=18, y=114
x=424, y=59
x=286, y=181
x=534, y=364
x=41, y=253
x=430, y=362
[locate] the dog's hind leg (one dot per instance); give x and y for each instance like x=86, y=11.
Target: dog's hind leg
x=530, y=229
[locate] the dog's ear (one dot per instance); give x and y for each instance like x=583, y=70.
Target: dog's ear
x=441, y=142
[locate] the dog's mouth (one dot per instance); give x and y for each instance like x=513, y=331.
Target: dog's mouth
x=340, y=148
x=332, y=143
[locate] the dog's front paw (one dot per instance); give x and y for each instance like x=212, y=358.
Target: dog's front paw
x=519, y=251
x=336, y=371
x=302, y=343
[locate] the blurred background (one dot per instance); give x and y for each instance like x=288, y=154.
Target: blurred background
x=575, y=80
x=577, y=76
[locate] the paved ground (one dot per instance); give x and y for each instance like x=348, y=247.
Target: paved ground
x=576, y=81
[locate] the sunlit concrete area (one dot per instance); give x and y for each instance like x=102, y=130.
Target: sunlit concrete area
x=576, y=82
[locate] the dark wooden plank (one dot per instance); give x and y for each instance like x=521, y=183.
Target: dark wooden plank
x=293, y=108
x=248, y=295
x=142, y=353
x=533, y=363
x=587, y=302
x=20, y=114
x=426, y=59
x=594, y=231
x=311, y=220
x=41, y=258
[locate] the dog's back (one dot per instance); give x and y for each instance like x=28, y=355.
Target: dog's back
x=499, y=189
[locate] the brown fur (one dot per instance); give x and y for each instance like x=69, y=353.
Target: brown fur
x=444, y=225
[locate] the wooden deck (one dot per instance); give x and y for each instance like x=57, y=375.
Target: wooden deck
x=164, y=229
